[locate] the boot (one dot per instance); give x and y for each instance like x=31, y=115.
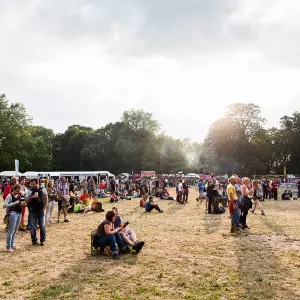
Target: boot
x=233, y=228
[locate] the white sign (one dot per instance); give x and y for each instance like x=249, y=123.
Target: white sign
x=17, y=167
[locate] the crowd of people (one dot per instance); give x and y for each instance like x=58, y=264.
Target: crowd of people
x=39, y=198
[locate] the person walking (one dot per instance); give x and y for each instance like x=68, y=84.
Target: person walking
x=37, y=199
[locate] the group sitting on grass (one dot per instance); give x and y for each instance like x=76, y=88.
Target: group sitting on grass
x=111, y=232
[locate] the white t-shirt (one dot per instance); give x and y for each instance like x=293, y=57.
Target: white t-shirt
x=29, y=193
x=180, y=187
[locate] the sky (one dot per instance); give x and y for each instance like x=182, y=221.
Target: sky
x=86, y=61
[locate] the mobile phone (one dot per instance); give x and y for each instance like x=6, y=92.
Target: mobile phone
x=125, y=224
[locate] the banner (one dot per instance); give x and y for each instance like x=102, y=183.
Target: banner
x=148, y=173
x=17, y=167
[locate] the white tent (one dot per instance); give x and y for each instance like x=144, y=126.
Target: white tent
x=192, y=175
x=10, y=174
x=31, y=174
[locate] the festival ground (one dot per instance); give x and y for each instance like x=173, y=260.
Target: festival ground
x=188, y=255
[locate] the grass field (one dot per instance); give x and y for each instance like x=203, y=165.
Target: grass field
x=187, y=255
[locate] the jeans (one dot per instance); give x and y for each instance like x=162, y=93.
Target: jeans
x=12, y=228
x=185, y=196
x=235, y=217
x=49, y=210
x=275, y=194
x=37, y=217
x=111, y=241
x=149, y=209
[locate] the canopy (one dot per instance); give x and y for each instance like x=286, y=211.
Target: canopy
x=10, y=174
x=192, y=175
x=31, y=174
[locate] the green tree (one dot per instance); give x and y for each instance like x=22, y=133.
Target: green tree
x=14, y=135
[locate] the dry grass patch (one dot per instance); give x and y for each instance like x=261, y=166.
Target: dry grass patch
x=188, y=255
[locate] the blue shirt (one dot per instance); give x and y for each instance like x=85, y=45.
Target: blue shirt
x=118, y=221
x=200, y=186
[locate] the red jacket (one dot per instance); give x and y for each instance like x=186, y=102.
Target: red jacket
x=6, y=191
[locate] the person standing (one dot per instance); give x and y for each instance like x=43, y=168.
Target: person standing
x=245, y=203
x=200, y=190
x=179, y=192
x=274, y=186
x=23, y=192
x=63, y=200
x=6, y=191
x=52, y=197
x=232, y=197
x=37, y=199
x=185, y=188
x=14, y=206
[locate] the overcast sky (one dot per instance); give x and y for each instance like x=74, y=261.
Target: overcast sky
x=85, y=62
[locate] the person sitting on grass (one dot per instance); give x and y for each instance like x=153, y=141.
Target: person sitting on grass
x=150, y=205
x=85, y=197
x=128, y=235
x=113, y=198
x=107, y=236
x=290, y=194
x=79, y=208
x=285, y=195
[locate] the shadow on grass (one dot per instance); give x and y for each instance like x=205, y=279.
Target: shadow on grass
x=259, y=274
x=85, y=273
x=212, y=223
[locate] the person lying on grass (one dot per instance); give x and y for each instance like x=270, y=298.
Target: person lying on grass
x=106, y=235
x=127, y=234
x=150, y=205
x=80, y=208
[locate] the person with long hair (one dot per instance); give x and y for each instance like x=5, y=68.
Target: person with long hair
x=52, y=198
x=14, y=205
x=106, y=235
x=245, y=202
x=257, y=196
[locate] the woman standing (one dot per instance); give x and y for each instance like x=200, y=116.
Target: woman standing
x=257, y=196
x=14, y=205
x=245, y=202
x=52, y=197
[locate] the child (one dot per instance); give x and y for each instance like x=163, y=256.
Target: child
x=257, y=196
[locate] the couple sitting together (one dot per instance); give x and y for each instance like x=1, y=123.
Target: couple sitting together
x=111, y=232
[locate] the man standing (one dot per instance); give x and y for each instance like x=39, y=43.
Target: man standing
x=37, y=199
x=232, y=197
x=63, y=201
x=274, y=186
x=179, y=192
x=185, y=188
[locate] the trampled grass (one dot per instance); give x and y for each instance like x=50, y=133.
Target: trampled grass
x=188, y=255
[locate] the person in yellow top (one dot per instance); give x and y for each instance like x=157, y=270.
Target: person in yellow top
x=232, y=198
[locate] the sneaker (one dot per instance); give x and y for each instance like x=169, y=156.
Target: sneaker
x=262, y=213
x=35, y=243
x=116, y=256
x=10, y=250
x=138, y=246
x=161, y=211
x=66, y=221
x=252, y=211
x=42, y=244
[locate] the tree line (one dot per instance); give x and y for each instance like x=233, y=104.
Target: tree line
x=236, y=143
